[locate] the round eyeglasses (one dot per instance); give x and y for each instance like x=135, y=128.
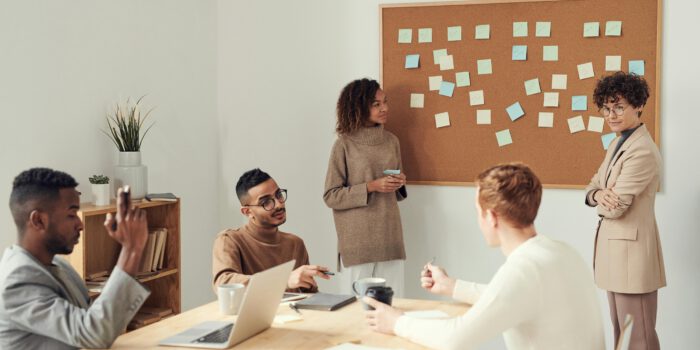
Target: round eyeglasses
x=619, y=110
x=268, y=203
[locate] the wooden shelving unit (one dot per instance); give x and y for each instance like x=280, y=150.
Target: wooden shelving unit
x=98, y=252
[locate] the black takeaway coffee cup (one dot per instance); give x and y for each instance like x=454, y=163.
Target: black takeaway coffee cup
x=380, y=294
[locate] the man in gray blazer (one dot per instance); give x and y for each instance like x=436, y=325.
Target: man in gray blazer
x=44, y=304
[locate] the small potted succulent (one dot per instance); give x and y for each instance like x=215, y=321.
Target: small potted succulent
x=100, y=189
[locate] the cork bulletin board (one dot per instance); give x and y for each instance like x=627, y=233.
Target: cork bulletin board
x=442, y=140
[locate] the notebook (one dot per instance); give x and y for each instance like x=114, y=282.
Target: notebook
x=325, y=301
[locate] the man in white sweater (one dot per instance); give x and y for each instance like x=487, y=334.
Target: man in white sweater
x=542, y=297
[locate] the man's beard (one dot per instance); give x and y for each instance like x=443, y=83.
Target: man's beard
x=56, y=244
x=267, y=224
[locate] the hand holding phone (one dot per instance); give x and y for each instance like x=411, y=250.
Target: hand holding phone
x=123, y=204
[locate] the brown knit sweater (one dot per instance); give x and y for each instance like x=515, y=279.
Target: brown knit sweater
x=368, y=224
x=242, y=252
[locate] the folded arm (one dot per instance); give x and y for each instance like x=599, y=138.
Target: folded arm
x=635, y=175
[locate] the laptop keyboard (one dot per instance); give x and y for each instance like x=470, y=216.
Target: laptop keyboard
x=218, y=336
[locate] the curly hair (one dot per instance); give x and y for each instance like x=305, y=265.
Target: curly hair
x=248, y=180
x=354, y=105
x=632, y=87
x=512, y=191
x=36, y=187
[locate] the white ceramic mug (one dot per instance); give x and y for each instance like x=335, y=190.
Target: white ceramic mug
x=230, y=297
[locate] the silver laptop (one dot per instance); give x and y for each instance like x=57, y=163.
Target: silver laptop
x=258, y=309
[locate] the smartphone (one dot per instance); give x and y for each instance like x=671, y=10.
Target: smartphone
x=392, y=172
x=125, y=203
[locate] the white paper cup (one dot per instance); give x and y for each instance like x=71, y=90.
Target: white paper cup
x=230, y=297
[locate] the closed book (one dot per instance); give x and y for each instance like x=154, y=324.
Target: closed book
x=162, y=248
x=325, y=301
x=158, y=249
x=147, y=257
x=161, y=197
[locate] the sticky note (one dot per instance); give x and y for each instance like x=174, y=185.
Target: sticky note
x=532, y=86
x=519, y=29
x=503, y=138
x=434, y=82
x=483, y=116
x=607, y=139
x=442, y=120
x=484, y=66
x=425, y=35
x=519, y=52
x=591, y=29
x=585, y=70
x=437, y=54
x=482, y=32
x=558, y=81
x=417, y=100
x=613, y=28
x=454, y=33
x=613, y=63
x=595, y=124
x=636, y=67
x=545, y=120
x=551, y=99
x=412, y=61
x=447, y=88
x=462, y=79
x=550, y=53
x=543, y=29
x=515, y=111
x=579, y=103
x=447, y=62
x=476, y=97
x=576, y=124
x=405, y=36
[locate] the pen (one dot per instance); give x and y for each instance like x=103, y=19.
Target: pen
x=328, y=273
x=294, y=307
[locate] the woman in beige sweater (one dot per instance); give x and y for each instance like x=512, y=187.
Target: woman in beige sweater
x=363, y=197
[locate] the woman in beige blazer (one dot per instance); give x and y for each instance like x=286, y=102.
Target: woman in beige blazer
x=627, y=261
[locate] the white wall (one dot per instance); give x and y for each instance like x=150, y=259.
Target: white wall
x=62, y=63
x=281, y=67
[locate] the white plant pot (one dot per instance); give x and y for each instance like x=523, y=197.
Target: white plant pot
x=101, y=193
x=131, y=172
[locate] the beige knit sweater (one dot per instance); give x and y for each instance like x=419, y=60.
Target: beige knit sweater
x=368, y=224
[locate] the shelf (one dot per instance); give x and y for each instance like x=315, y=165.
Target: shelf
x=159, y=274
x=92, y=209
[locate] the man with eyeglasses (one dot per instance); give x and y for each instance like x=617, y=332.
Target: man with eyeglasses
x=260, y=245
x=628, y=262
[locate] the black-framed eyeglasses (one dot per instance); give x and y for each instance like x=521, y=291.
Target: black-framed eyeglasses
x=619, y=110
x=269, y=202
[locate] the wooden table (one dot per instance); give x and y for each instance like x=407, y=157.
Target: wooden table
x=318, y=330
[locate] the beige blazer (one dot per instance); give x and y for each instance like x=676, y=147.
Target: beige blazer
x=627, y=256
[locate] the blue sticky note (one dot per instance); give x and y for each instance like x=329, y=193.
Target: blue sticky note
x=503, y=138
x=579, y=103
x=519, y=52
x=636, y=67
x=515, y=111
x=412, y=61
x=447, y=88
x=607, y=138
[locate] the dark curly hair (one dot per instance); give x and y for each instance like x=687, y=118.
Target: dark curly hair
x=36, y=188
x=620, y=84
x=354, y=104
x=248, y=180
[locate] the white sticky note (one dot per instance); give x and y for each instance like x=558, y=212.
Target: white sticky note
x=595, y=124
x=442, y=120
x=434, y=82
x=551, y=99
x=613, y=28
x=545, y=120
x=405, y=36
x=543, y=29
x=476, y=97
x=428, y=314
x=425, y=35
x=483, y=116
x=558, y=81
x=482, y=32
x=462, y=79
x=282, y=319
x=585, y=70
x=454, y=33
x=532, y=87
x=447, y=62
x=437, y=54
x=503, y=138
x=576, y=124
x=613, y=63
x=591, y=29
x=550, y=53
x=484, y=66
x=417, y=100
x=519, y=29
